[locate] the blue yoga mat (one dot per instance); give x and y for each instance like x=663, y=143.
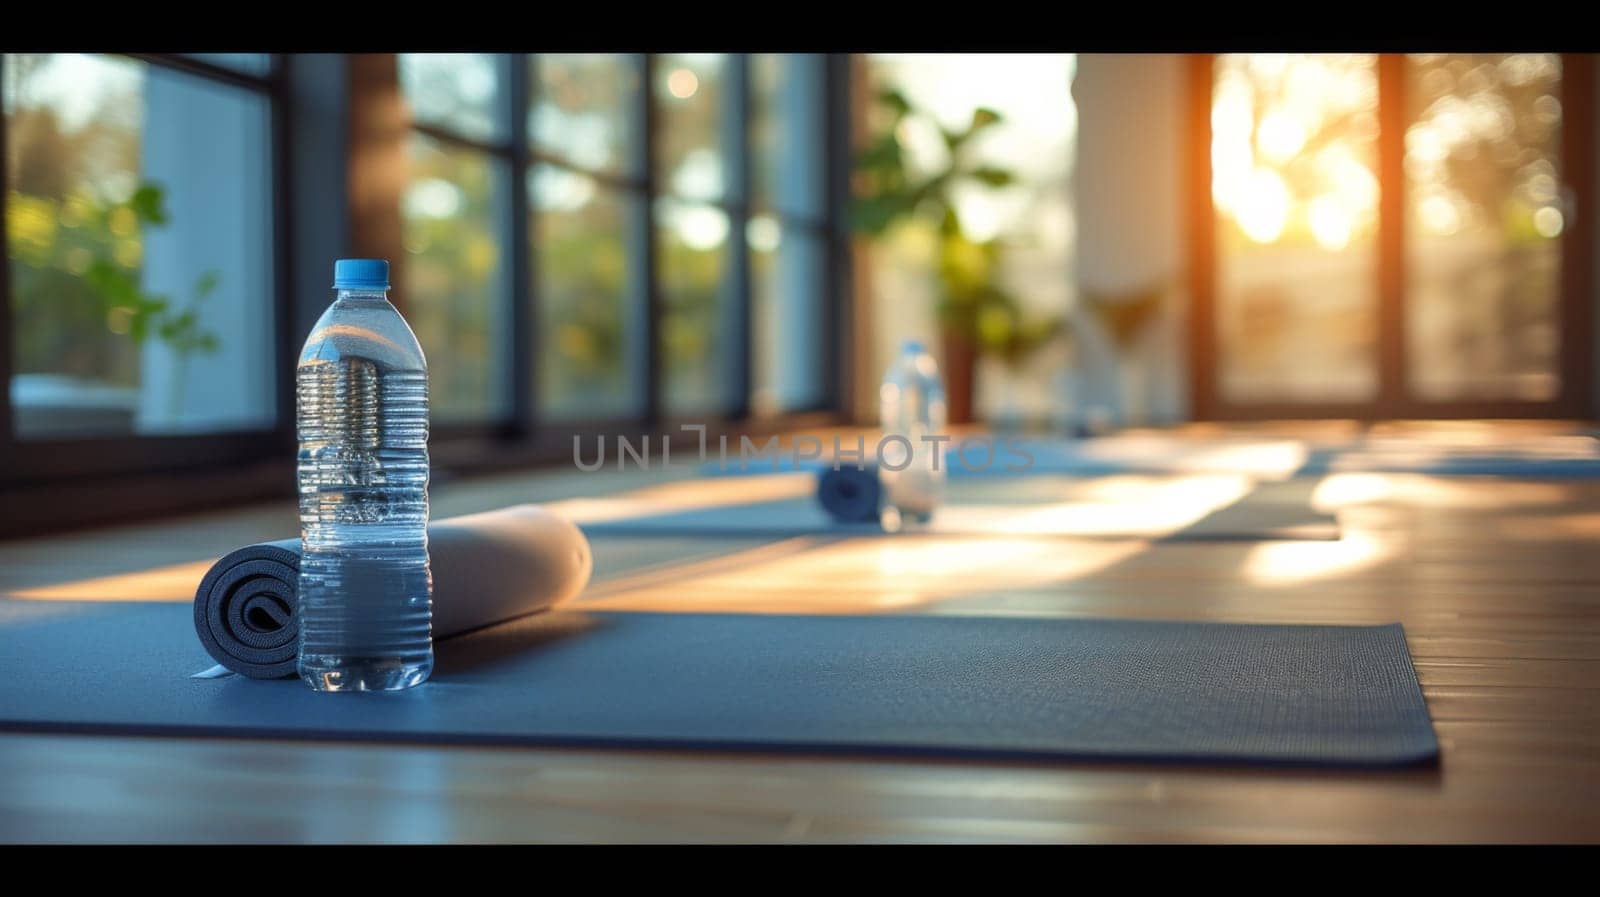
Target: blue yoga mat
x=1047, y=457
x=1100, y=457
x=903, y=685
x=1008, y=457
x=787, y=518
x=1457, y=465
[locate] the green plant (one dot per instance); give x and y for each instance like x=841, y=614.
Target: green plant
x=972, y=301
x=78, y=291
x=148, y=314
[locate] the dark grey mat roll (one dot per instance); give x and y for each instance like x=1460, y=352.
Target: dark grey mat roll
x=905, y=685
x=851, y=494
x=486, y=568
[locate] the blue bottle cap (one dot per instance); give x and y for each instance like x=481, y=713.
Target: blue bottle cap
x=361, y=274
x=912, y=345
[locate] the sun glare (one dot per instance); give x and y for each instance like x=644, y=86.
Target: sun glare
x=1331, y=222
x=1291, y=148
x=1280, y=136
x=682, y=83
x=1262, y=206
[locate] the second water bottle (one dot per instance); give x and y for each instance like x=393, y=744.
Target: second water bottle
x=912, y=406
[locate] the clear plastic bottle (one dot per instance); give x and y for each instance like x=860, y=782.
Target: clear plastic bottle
x=366, y=608
x=912, y=405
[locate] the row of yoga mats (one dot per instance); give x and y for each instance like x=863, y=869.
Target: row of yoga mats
x=905, y=685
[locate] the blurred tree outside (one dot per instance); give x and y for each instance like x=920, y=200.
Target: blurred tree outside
x=1485, y=206
x=1295, y=185
x=693, y=240
x=453, y=274
x=694, y=236
x=74, y=232
x=584, y=294
x=583, y=113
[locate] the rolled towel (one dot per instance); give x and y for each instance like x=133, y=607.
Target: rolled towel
x=486, y=568
x=850, y=494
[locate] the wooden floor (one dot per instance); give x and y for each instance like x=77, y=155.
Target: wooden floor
x=1497, y=582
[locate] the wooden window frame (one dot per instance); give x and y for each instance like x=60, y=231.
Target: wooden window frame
x=1394, y=400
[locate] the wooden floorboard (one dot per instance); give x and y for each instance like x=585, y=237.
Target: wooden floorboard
x=1496, y=581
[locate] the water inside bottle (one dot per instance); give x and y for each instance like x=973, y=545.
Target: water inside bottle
x=365, y=588
x=912, y=471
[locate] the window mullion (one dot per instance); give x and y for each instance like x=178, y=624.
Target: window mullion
x=286, y=335
x=645, y=245
x=736, y=149
x=838, y=360
x=7, y=426
x=524, y=290
x=1392, y=394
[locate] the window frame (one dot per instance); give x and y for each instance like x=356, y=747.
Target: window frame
x=35, y=462
x=1394, y=398
x=61, y=483
x=642, y=188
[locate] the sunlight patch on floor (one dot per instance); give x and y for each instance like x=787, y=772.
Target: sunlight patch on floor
x=1293, y=563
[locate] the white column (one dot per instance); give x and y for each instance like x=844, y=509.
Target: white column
x=1130, y=198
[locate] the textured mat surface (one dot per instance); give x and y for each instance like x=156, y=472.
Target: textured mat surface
x=805, y=517
x=907, y=685
x=1566, y=457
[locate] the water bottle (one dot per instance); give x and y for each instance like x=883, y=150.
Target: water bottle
x=366, y=606
x=912, y=406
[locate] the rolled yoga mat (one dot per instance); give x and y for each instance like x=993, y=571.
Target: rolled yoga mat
x=929, y=685
x=486, y=568
x=850, y=494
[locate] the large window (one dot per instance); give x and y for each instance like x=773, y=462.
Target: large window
x=674, y=215
x=1389, y=235
x=1484, y=218
x=139, y=245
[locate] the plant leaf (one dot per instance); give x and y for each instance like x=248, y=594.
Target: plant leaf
x=993, y=177
x=873, y=215
x=206, y=285
x=148, y=203
x=883, y=154
x=896, y=101
x=111, y=285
